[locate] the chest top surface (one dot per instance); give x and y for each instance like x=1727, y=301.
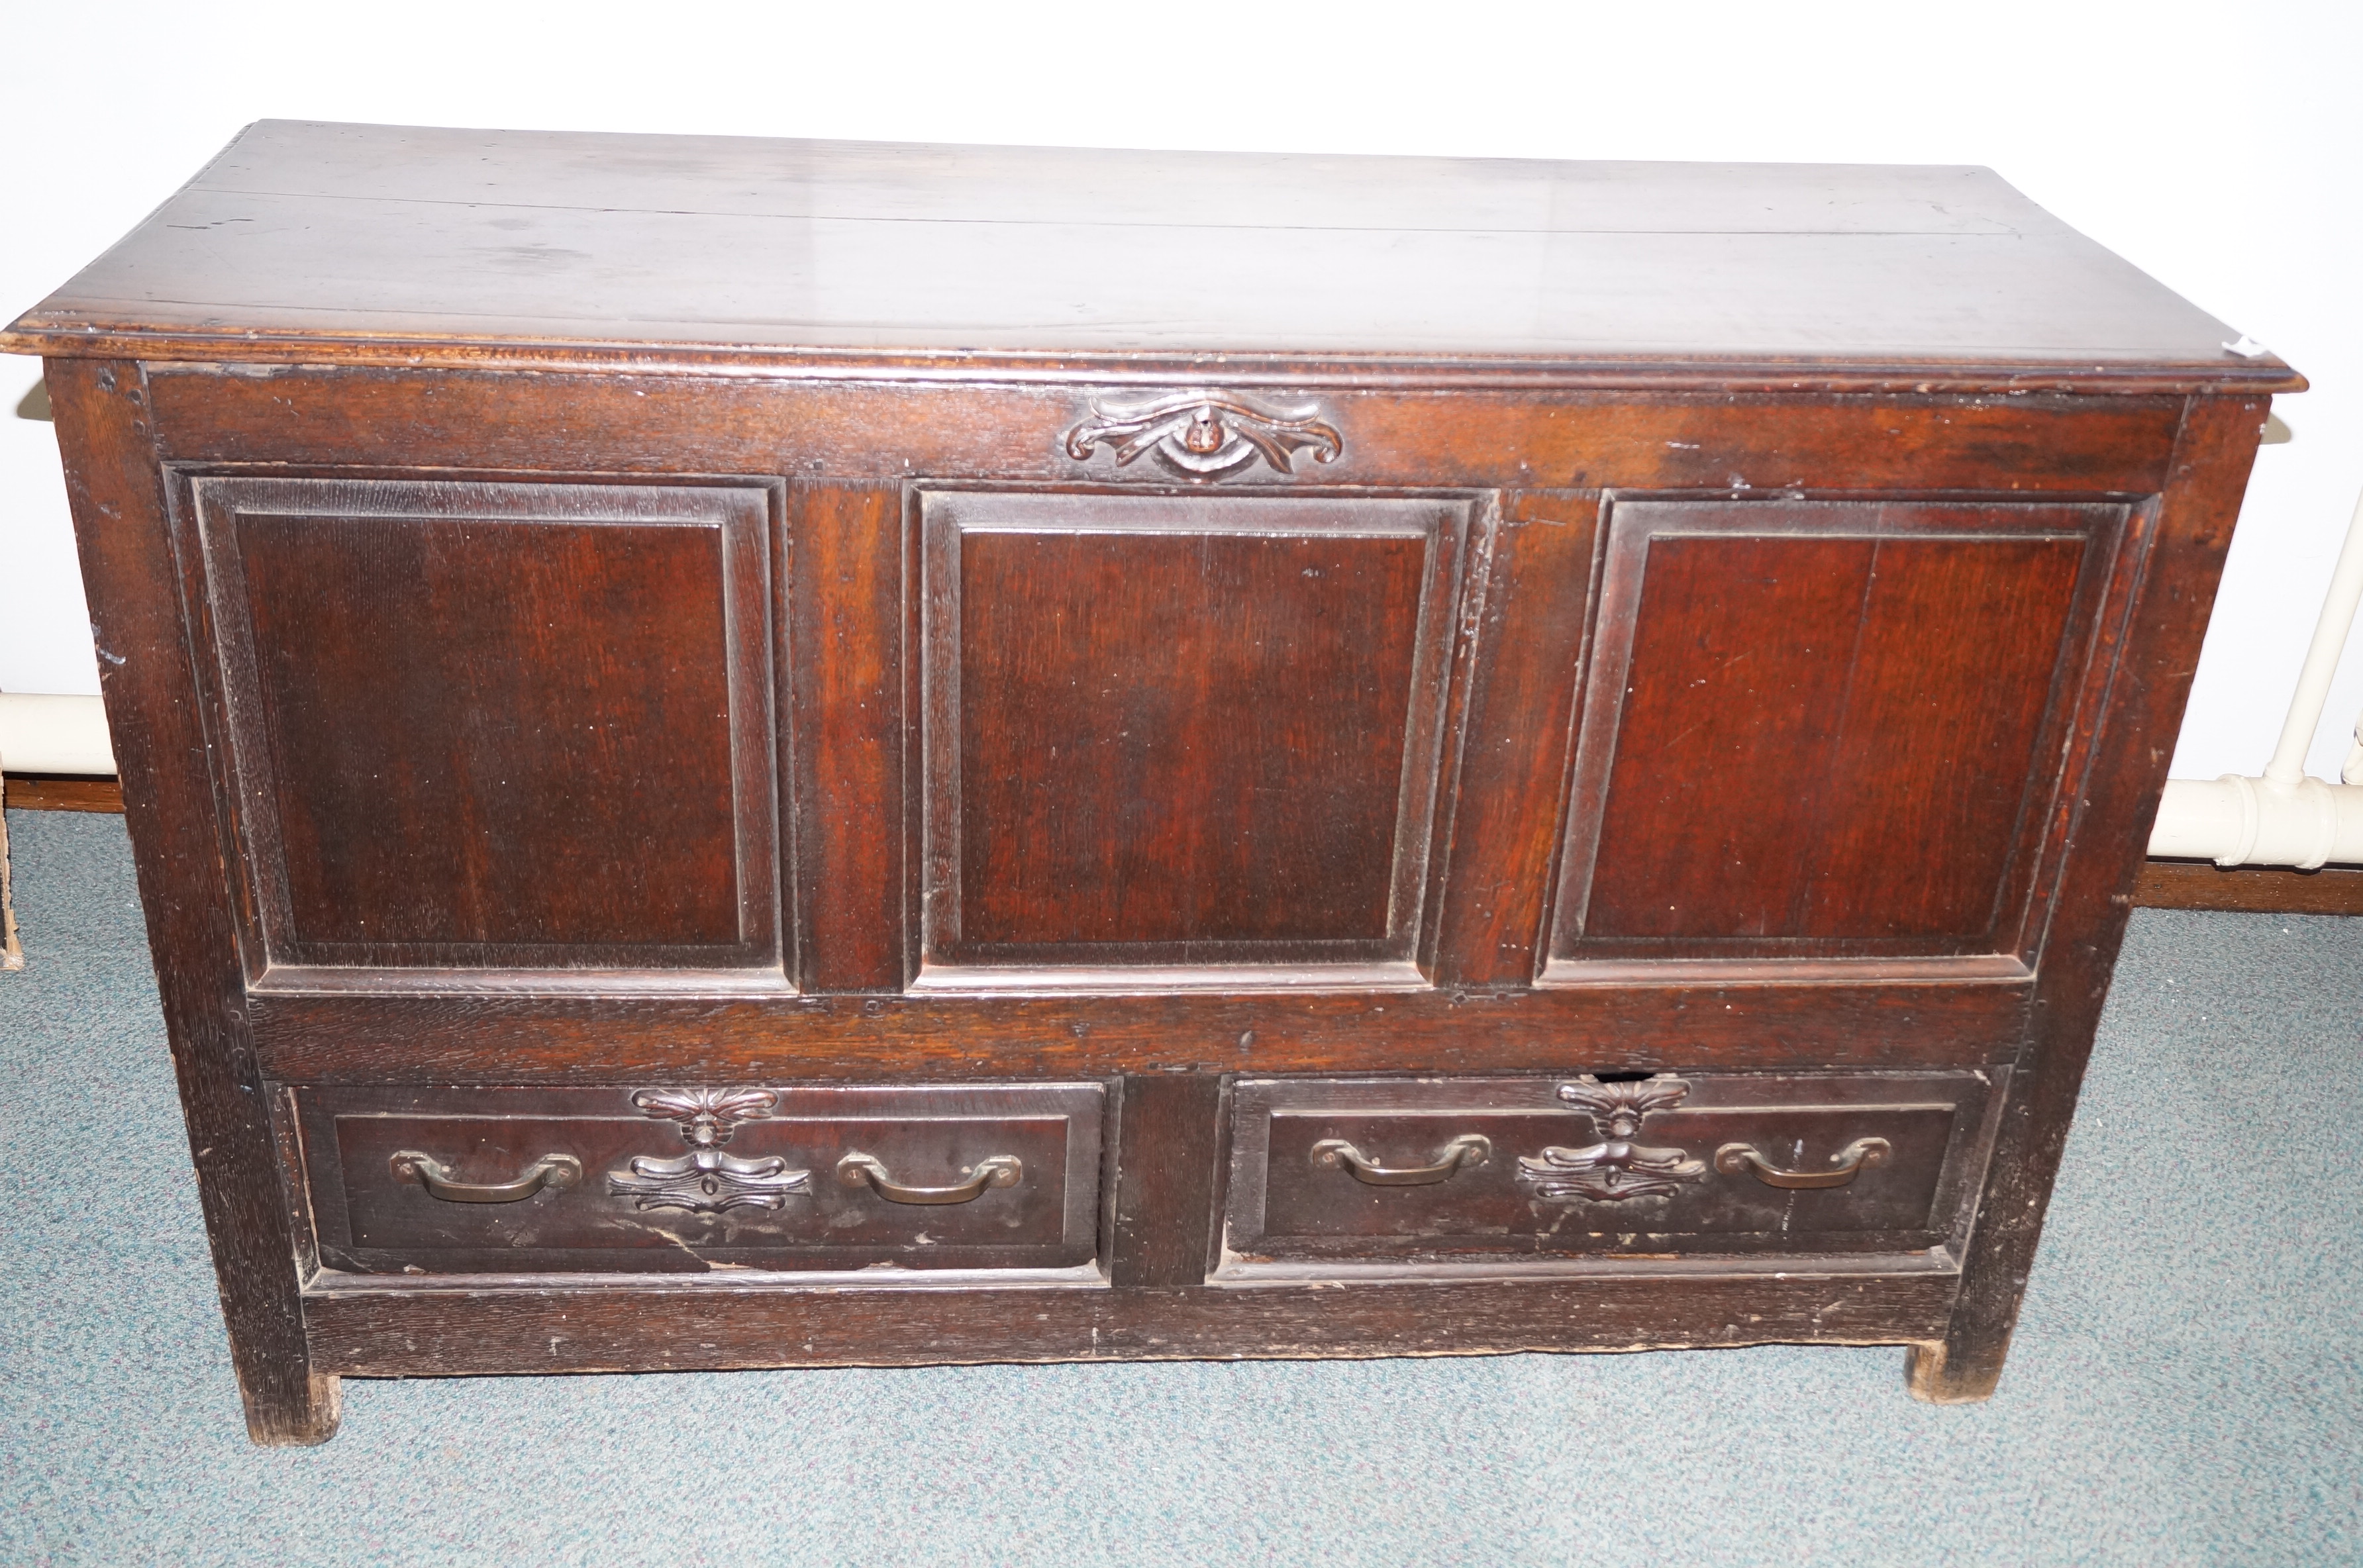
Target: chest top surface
x=396, y=244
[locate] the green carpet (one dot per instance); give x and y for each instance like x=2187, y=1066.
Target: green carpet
x=2185, y=1387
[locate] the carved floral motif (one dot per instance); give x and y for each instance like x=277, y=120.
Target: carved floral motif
x=1615, y=1169
x=707, y=1181
x=1204, y=435
x=1619, y=1107
x=706, y=1116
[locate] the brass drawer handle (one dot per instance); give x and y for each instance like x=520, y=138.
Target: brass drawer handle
x=1847, y=1163
x=858, y=1169
x=1469, y=1149
x=552, y=1171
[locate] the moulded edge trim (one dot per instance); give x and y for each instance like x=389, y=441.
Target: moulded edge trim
x=2002, y=968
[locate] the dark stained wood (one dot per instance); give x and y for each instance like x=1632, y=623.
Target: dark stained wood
x=2150, y=634
x=63, y=792
x=121, y=525
x=446, y=698
x=1742, y=657
x=1775, y=1016
x=373, y=1221
x=1273, y=820
x=469, y=245
x=1890, y=1206
x=1790, y=700
x=1165, y=1178
x=1748, y=650
x=463, y=847
x=845, y=664
x=1963, y=648
x=1181, y=732
x=1531, y=611
x=673, y=1325
x=2252, y=889
x=1285, y=1209
x=1404, y=437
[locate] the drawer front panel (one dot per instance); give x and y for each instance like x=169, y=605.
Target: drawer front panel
x=1474, y=1170
x=606, y=1179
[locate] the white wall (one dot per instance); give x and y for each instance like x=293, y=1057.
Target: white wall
x=2217, y=146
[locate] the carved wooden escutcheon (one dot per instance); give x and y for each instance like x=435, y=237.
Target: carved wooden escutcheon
x=706, y=1116
x=1615, y=1169
x=1204, y=435
x=705, y=1180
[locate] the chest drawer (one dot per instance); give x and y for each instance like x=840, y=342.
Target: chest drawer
x=1473, y=1172
x=677, y=1178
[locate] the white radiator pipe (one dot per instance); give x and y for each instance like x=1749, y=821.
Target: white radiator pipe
x=2283, y=818
x=2259, y=821
x=2338, y=605
x=54, y=734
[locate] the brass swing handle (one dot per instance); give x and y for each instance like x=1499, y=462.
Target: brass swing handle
x=1469, y=1149
x=858, y=1169
x=552, y=1171
x=1846, y=1164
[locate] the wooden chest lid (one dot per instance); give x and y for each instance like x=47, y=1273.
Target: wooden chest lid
x=395, y=244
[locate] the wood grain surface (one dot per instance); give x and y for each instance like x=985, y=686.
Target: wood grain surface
x=2150, y=632
x=371, y=1219
x=452, y=245
x=1824, y=728
x=446, y=699
x=121, y=524
x=1168, y=1150
x=2249, y=890
x=398, y=1333
x=1732, y=623
x=61, y=792
x=1181, y=732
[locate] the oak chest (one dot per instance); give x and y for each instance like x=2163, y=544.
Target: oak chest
x=754, y=754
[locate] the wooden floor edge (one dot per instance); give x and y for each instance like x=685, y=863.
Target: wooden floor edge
x=2250, y=889
x=61, y=792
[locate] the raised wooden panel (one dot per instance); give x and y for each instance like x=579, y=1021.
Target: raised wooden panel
x=498, y=730
x=613, y=1212
x=1190, y=740
x=1475, y=1173
x=1822, y=729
